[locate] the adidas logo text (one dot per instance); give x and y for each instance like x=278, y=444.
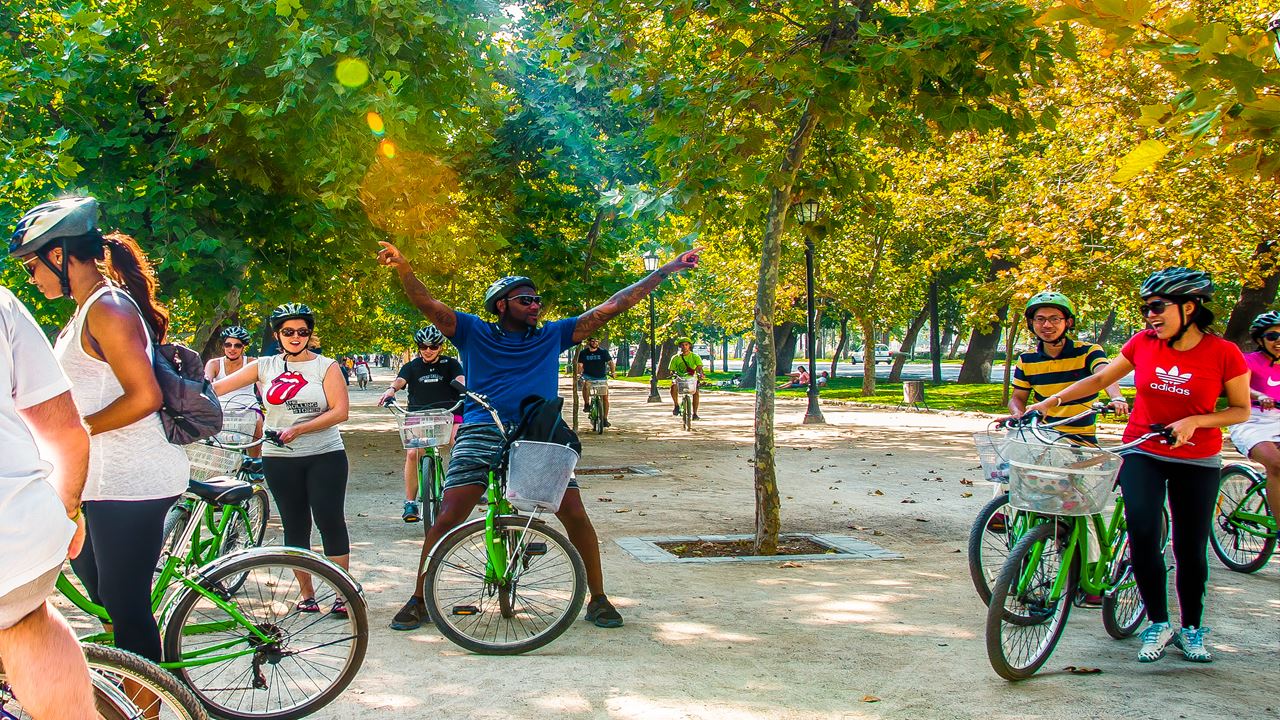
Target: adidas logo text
x=1170, y=388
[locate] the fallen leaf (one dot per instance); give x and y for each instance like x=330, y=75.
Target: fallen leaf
x=966, y=494
x=875, y=492
x=908, y=500
x=790, y=564
x=1074, y=670
x=622, y=510
x=966, y=482
x=870, y=699
x=604, y=499
x=922, y=519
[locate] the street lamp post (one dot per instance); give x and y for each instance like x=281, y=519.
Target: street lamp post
x=807, y=213
x=651, y=264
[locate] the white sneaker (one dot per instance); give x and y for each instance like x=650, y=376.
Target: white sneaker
x=1155, y=639
x=1190, y=640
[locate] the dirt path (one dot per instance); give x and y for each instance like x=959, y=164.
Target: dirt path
x=756, y=641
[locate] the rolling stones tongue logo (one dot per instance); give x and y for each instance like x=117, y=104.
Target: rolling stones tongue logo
x=286, y=385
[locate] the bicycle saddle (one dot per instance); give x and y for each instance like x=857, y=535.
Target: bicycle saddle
x=221, y=490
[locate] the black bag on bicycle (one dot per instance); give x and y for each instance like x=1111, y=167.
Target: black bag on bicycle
x=189, y=409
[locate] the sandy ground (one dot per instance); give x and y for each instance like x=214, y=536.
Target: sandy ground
x=757, y=641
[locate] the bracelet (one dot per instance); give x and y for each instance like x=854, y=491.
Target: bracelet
x=1119, y=399
x=79, y=514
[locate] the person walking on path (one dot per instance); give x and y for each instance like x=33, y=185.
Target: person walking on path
x=509, y=360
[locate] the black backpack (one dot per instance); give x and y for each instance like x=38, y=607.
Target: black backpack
x=189, y=409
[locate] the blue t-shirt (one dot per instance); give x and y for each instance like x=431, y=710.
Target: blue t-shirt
x=508, y=367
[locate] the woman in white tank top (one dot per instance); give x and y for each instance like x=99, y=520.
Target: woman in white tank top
x=134, y=473
x=304, y=399
x=241, y=401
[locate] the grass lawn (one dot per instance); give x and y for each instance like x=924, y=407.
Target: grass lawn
x=947, y=396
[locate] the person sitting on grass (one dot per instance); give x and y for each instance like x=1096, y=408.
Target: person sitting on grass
x=799, y=379
x=823, y=378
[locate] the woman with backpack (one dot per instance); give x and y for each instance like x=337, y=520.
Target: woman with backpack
x=305, y=399
x=135, y=474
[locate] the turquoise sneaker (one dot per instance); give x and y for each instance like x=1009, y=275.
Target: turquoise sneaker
x=1190, y=640
x=1155, y=639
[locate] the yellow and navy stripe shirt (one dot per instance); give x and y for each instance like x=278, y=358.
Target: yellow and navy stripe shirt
x=1042, y=376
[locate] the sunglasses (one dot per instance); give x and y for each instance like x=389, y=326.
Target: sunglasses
x=527, y=300
x=1155, y=307
x=300, y=332
x=30, y=267
x=1271, y=336
x=436, y=346
x=232, y=345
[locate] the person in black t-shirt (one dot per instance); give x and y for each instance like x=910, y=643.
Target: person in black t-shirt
x=428, y=378
x=594, y=362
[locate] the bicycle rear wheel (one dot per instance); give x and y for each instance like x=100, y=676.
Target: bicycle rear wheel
x=990, y=538
x=1239, y=507
x=1025, y=618
x=258, y=506
x=545, y=586
x=304, y=661
x=430, y=486
x=125, y=687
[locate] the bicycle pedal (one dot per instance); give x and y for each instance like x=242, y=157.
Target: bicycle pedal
x=465, y=610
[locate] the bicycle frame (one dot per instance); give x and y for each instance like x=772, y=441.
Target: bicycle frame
x=1258, y=524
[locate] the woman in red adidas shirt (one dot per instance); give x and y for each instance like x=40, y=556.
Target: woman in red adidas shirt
x=1180, y=370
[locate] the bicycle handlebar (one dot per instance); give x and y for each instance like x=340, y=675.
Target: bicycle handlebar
x=482, y=401
x=1031, y=421
x=268, y=436
x=391, y=404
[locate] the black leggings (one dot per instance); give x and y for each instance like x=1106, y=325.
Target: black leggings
x=117, y=565
x=311, y=486
x=1192, y=490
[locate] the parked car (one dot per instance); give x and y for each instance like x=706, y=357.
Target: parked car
x=880, y=354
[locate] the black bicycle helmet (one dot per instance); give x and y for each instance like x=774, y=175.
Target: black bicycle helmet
x=65, y=218
x=429, y=335
x=499, y=289
x=291, y=311
x=1179, y=282
x=237, y=332
x=1262, y=322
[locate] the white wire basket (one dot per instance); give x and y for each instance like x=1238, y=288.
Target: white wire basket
x=209, y=461
x=688, y=384
x=1060, y=479
x=599, y=387
x=425, y=428
x=538, y=473
x=238, y=424
x=990, y=447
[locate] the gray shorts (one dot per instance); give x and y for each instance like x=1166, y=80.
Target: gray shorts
x=473, y=450
x=25, y=599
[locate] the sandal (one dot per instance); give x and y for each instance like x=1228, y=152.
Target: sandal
x=307, y=605
x=601, y=612
x=339, y=608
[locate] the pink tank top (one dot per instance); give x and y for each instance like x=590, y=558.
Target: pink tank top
x=1265, y=377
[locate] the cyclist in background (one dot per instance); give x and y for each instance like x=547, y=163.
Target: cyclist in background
x=42, y=473
x=509, y=361
x=593, y=364
x=361, y=367
x=135, y=474
x=428, y=379
x=235, y=341
x=685, y=363
x=1180, y=370
x=1057, y=362
x=1258, y=438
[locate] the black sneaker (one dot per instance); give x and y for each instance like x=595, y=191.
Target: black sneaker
x=601, y=612
x=608, y=424
x=410, y=616
x=695, y=416
x=675, y=410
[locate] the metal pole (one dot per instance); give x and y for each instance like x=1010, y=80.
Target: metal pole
x=812, y=416
x=935, y=350
x=653, y=356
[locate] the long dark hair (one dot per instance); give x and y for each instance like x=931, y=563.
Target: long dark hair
x=129, y=267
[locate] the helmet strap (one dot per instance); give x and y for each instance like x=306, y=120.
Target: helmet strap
x=1182, y=315
x=60, y=270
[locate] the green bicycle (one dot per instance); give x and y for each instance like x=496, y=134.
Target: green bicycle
x=1244, y=530
x=687, y=386
x=1061, y=492
x=597, y=389
x=231, y=624
x=426, y=430
x=117, y=677
x=508, y=583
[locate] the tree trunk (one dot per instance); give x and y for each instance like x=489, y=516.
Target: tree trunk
x=640, y=362
x=956, y=337
x=668, y=351
x=840, y=345
x=908, y=346
x=1012, y=338
x=785, y=339
x=748, y=378
x=1255, y=298
x=768, y=503
x=868, y=357
x=573, y=375
x=1108, y=325
x=982, y=351
x=205, y=336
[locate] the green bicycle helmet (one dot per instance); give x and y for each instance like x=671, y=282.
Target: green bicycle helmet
x=1262, y=322
x=1179, y=282
x=1049, y=298
x=291, y=311
x=499, y=289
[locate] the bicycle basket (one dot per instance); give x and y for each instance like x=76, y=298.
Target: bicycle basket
x=599, y=387
x=688, y=384
x=1060, y=479
x=990, y=447
x=425, y=428
x=238, y=425
x=208, y=461
x=538, y=474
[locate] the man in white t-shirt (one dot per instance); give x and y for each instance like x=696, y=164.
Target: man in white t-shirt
x=42, y=473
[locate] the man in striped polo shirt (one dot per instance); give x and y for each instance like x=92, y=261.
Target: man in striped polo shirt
x=1057, y=362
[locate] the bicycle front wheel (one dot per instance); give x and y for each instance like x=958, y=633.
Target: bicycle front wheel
x=282, y=663
x=1239, y=536
x=430, y=486
x=544, y=586
x=1026, y=616
x=686, y=412
x=597, y=414
x=990, y=538
x=1122, y=605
